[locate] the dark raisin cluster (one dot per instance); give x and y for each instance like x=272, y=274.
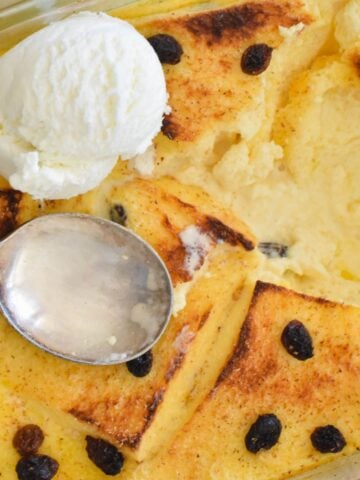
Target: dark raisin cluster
x=265, y=432
x=33, y=466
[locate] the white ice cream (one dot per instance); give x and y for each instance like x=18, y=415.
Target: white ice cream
x=73, y=98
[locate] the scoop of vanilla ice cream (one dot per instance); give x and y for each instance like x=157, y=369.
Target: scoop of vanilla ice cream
x=74, y=97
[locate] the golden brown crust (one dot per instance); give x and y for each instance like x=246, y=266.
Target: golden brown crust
x=356, y=62
x=240, y=22
x=221, y=232
x=9, y=209
x=213, y=42
x=169, y=225
x=130, y=439
x=169, y=128
x=248, y=369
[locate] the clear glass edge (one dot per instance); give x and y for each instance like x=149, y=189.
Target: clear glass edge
x=342, y=468
x=19, y=20
x=29, y=15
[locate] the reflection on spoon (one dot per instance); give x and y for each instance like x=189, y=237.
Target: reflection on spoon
x=84, y=288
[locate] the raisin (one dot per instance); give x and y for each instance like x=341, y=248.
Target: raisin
x=118, y=214
x=167, y=48
x=28, y=439
x=328, y=439
x=273, y=249
x=36, y=467
x=169, y=128
x=297, y=340
x=264, y=433
x=256, y=59
x=104, y=455
x=142, y=365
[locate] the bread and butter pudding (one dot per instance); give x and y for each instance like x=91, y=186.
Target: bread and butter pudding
x=265, y=101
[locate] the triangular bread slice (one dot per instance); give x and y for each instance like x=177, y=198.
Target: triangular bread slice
x=263, y=378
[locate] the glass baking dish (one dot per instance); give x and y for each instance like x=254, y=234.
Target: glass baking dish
x=17, y=20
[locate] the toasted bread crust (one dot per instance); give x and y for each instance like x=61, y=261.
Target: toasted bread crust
x=240, y=22
x=9, y=209
x=356, y=62
x=245, y=338
x=213, y=42
x=253, y=374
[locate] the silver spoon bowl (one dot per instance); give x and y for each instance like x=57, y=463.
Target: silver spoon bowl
x=84, y=289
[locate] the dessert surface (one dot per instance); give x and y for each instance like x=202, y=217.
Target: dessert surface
x=250, y=195
x=140, y=414
x=263, y=378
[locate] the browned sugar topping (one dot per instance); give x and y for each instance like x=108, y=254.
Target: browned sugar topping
x=241, y=20
x=9, y=208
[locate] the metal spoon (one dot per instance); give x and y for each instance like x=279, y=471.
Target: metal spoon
x=84, y=289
